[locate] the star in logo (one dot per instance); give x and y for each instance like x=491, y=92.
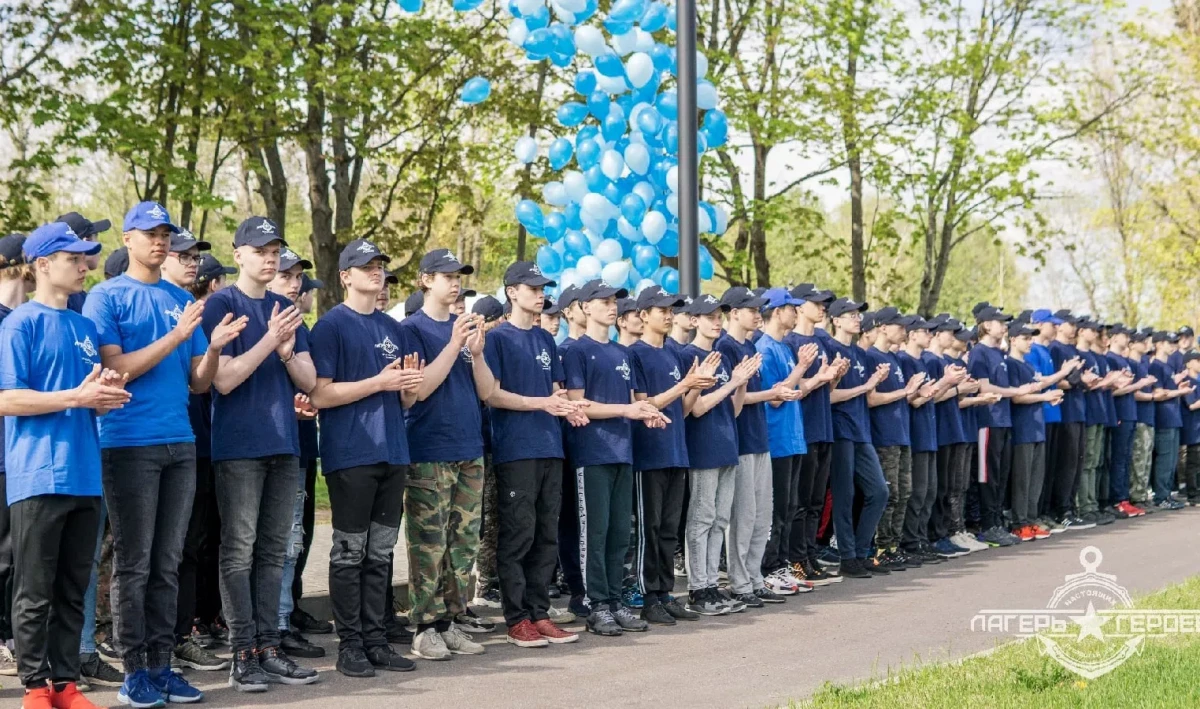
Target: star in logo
x=860, y=369
x=675, y=373
x=449, y=256
x=387, y=347
x=535, y=270
x=709, y=299
x=722, y=376
x=290, y=255
x=1090, y=623
x=544, y=360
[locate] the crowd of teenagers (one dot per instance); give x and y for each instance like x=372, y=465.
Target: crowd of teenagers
x=782, y=439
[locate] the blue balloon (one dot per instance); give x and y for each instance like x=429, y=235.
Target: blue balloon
x=475, y=90
x=598, y=102
x=627, y=11
x=670, y=138
x=569, y=260
x=610, y=65
x=671, y=21
x=617, y=28
x=645, y=259
x=612, y=193
x=668, y=105
x=588, y=132
x=538, y=19
x=571, y=113
x=539, y=41
x=669, y=245
x=649, y=92
x=613, y=126
x=589, y=9
x=410, y=5
x=585, y=82
x=596, y=181
x=711, y=211
x=560, y=153
x=576, y=243
x=561, y=60
x=670, y=281
x=633, y=208
x=649, y=121
x=549, y=261
x=572, y=217
x=554, y=226
x=530, y=216
x=655, y=17
x=466, y=5
x=662, y=55
x=706, y=263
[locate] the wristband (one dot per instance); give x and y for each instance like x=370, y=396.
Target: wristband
x=290, y=358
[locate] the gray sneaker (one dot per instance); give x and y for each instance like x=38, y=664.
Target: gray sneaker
x=997, y=537
x=459, y=643
x=429, y=645
x=8, y=663
x=560, y=616
x=190, y=654
x=706, y=602
x=602, y=622
x=628, y=621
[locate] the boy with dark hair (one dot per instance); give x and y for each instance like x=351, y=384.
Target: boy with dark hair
x=1029, y=431
x=1168, y=419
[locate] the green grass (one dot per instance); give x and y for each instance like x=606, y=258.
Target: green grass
x=1017, y=675
x=322, y=493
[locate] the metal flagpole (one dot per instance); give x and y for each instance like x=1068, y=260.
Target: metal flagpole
x=689, y=177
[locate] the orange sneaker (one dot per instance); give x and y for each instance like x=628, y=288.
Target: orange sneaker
x=1025, y=533
x=70, y=698
x=40, y=698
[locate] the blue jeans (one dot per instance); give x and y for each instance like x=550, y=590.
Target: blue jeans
x=87, y=640
x=856, y=464
x=294, y=547
x=257, y=500
x=1121, y=460
x=1166, y=459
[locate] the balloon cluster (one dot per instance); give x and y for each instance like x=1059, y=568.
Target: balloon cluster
x=613, y=214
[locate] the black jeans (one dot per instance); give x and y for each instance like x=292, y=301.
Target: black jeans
x=993, y=488
x=308, y=467
x=920, y=500
x=256, y=497
x=528, y=499
x=785, y=505
x=149, y=492
x=1028, y=471
x=939, y=521
x=568, y=532
x=658, y=499
x=198, y=570
x=814, y=483
x=367, y=503
x=54, y=539
x=1064, y=463
x=6, y=562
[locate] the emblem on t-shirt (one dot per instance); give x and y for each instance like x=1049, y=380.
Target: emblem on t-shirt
x=860, y=369
x=722, y=376
x=466, y=355
x=88, y=349
x=899, y=375
x=675, y=373
x=544, y=360
x=623, y=368
x=175, y=313
x=387, y=347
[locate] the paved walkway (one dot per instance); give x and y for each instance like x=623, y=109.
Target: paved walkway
x=851, y=631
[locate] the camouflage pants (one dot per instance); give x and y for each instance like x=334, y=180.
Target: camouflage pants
x=441, y=524
x=896, y=462
x=1085, y=494
x=485, y=565
x=1143, y=453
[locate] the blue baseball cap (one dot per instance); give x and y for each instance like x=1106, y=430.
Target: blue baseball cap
x=51, y=238
x=147, y=215
x=779, y=297
x=1044, y=316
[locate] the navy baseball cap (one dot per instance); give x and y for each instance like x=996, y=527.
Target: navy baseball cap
x=444, y=261
x=1191, y=357
x=1137, y=336
x=965, y=335
x=569, y=295
x=289, y=258
x=1085, y=322
x=1119, y=329
x=598, y=290
x=1019, y=327
x=626, y=306
x=809, y=292
x=741, y=297
x=51, y=238
x=938, y=320
x=705, y=305
x=1024, y=316
x=889, y=316
x=1161, y=336
x=489, y=308
x=549, y=307
x=390, y=278
x=147, y=215
x=759, y=291
x=775, y=298
x=841, y=306
x=522, y=273
x=308, y=283
x=82, y=226
x=257, y=232
x=658, y=297
x=992, y=313
x=915, y=322
x=118, y=262
x=1186, y=331
x=210, y=268
x=413, y=303
x=11, y=253
x=984, y=305
x=359, y=253
x=869, y=322
x=947, y=325
x=1066, y=316
x=1043, y=315
x=183, y=240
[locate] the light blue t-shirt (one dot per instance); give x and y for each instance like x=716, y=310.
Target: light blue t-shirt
x=132, y=315
x=45, y=349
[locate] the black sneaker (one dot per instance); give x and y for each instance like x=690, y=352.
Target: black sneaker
x=602, y=622
x=246, y=675
x=875, y=566
x=854, y=568
x=353, y=662
x=303, y=622
x=553, y=591
x=579, y=606
x=471, y=623
x=296, y=645
x=396, y=631
x=766, y=595
x=189, y=654
x=108, y=651
x=1105, y=517
x=909, y=561
x=749, y=600
x=677, y=611
x=704, y=602
x=99, y=673
x=892, y=561
x=384, y=657
x=657, y=614
x=280, y=668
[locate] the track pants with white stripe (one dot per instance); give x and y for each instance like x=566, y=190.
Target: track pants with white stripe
x=658, y=501
x=605, y=504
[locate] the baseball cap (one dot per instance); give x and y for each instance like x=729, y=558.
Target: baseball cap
x=775, y=298
x=1137, y=336
x=1190, y=356
x=705, y=305
x=390, y=279
x=841, y=306
x=289, y=258
x=1086, y=322
x=1018, y=327
x=54, y=237
x=809, y=292
x=183, y=240
x=1161, y=336
x=147, y=215
x=549, y=307
x=10, y=250
x=658, y=297
x=869, y=322
x=359, y=253
x=626, y=305
x=1043, y=315
x=82, y=226
x=257, y=232
x=598, y=290
x=1065, y=316
x=118, y=262
x=915, y=322
x=991, y=313
x=966, y=334
x=1024, y=316
x=948, y=325
x=888, y=315
x=521, y=273
x=444, y=261
x=208, y=269
x=1186, y=331
x=308, y=283
x=741, y=297
x=489, y=308
x=982, y=305
x=1119, y=329
x=413, y=303
x=569, y=295
x=759, y=291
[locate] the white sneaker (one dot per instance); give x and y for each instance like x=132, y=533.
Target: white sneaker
x=969, y=542
x=560, y=616
x=8, y=663
x=460, y=643
x=801, y=585
x=430, y=645
x=775, y=583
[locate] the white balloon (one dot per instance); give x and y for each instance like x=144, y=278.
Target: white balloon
x=722, y=220
x=624, y=43
x=645, y=40
x=706, y=96
x=654, y=225
x=575, y=6
x=528, y=7
x=673, y=178
x=703, y=223
x=616, y=273
x=588, y=267
x=569, y=277
x=597, y=206
x=555, y=194
x=643, y=285
x=611, y=164
x=672, y=201
x=701, y=64
x=501, y=295
x=518, y=32
x=564, y=15
x=611, y=84
x=594, y=238
x=560, y=246
x=575, y=184
x=633, y=113
x=639, y=68
x=627, y=230
x=593, y=225
x=608, y=251
x=590, y=40
x=645, y=190
x=525, y=149
x=635, y=136
x=637, y=157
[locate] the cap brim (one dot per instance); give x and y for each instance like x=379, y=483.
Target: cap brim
x=461, y=268
x=534, y=282
x=468, y=293
x=87, y=248
x=100, y=226
x=607, y=293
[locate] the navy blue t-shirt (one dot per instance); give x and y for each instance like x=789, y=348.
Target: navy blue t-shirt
x=818, y=415
x=851, y=422
x=655, y=370
x=1028, y=421
x=445, y=426
x=1097, y=413
x=75, y=301
x=949, y=423
x=1124, y=407
x=310, y=445
x=348, y=346
x=889, y=422
x=970, y=422
x=258, y=418
x=1190, y=435
x=1145, y=409
x=712, y=438
x=525, y=362
x=200, y=414
x=673, y=345
x=1074, y=403
x=1175, y=360
x=1166, y=413
x=752, y=422
x=922, y=419
x=989, y=363
x=603, y=372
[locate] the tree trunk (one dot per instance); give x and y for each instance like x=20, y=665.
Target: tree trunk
x=758, y=224
x=324, y=241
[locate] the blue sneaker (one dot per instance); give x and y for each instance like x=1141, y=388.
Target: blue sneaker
x=943, y=547
x=174, y=688
x=962, y=550
x=632, y=598
x=139, y=692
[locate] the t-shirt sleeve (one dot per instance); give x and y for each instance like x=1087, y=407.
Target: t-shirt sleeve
x=14, y=358
x=99, y=309
x=639, y=376
x=574, y=368
x=413, y=342
x=323, y=348
x=556, y=366
x=215, y=309
x=492, y=354
x=981, y=367
x=302, y=339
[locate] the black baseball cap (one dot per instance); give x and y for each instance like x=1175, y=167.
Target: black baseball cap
x=658, y=297
x=289, y=258
x=10, y=250
x=390, y=278
x=257, y=232
x=984, y=305
x=183, y=240
x=1017, y=328
x=869, y=321
x=992, y=313
x=1185, y=331
x=308, y=283
x=705, y=305
x=965, y=335
x=809, y=292
x=522, y=273
x=915, y=322
x=82, y=226
x=489, y=308
x=598, y=290
x=118, y=262
x=359, y=253
x=841, y=306
x=549, y=307
x=741, y=297
x=888, y=315
x=210, y=268
x=625, y=306
x=1066, y=316
x=444, y=261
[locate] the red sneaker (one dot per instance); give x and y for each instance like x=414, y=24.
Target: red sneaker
x=1130, y=509
x=523, y=634
x=551, y=632
x=1025, y=533
x=1039, y=532
x=70, y=698
x=40, y=698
